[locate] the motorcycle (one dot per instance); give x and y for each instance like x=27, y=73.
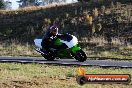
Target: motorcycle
x=72, y=49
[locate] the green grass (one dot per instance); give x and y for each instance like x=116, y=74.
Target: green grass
x=16, y=75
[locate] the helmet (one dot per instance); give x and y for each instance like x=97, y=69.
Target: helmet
x=54, y=29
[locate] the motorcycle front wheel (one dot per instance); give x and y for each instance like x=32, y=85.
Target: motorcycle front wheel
x=80, y=56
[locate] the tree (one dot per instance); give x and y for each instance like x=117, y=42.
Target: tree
x=2, y=4
x=8, y=5
x=24, y=3
x=83, y=0
x=45, y=2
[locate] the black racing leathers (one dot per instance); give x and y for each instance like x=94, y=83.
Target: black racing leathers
x=48, y=40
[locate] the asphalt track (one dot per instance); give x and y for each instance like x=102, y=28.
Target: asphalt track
x=40, y=60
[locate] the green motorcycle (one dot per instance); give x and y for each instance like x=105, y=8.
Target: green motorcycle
x=71, y=48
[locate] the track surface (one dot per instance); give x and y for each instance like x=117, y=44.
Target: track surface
x=104, y=63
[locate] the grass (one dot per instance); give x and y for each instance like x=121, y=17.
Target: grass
x=14, y=49
x=16, y=75
x=122, y=52
x=99, y=47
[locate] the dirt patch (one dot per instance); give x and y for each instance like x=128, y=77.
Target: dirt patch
x=47, y=80
x=35, y=82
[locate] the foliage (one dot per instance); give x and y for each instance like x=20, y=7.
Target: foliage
x=2, y=5
x=24, y=3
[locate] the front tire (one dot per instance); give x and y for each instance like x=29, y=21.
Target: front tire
x=80, y=56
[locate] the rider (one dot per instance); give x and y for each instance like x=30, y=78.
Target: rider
x=50, y=34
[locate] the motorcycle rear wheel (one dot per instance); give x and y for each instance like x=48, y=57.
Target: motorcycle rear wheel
x=49, y=56
x=80, y=56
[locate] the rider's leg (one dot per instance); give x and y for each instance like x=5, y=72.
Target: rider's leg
x=44, y=45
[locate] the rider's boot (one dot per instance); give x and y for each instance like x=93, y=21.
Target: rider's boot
x=45, y=50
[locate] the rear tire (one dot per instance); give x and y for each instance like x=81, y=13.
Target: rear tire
x=49, y=56
x=80, y=56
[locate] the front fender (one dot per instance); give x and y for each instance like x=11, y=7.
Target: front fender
x=75, y=48
x=38, y=42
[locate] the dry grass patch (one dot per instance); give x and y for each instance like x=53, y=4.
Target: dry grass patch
x=17, y=49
